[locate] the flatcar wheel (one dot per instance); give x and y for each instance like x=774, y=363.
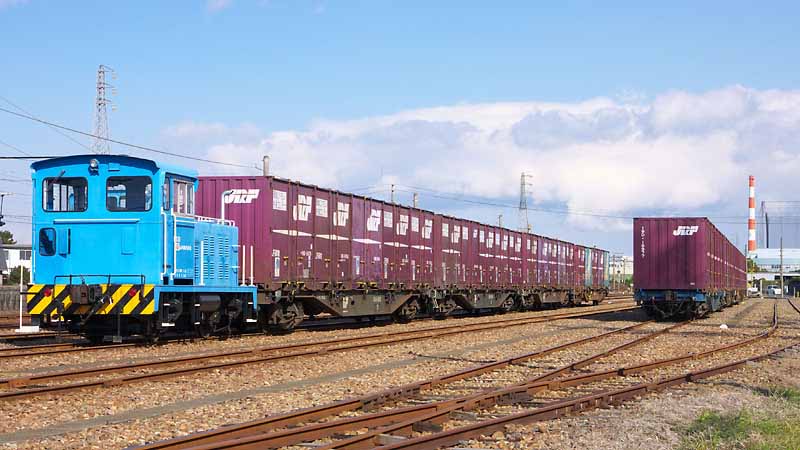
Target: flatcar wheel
x=507, y=305
x=407, y=312
x=701, y=311
x=285, y=317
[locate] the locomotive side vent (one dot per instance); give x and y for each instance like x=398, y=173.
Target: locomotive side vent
x=211, y=257
x=197, y=260
x=224, y=252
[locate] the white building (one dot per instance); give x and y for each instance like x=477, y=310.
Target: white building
x=769, y=259
x=12, y=256
x=621, y=265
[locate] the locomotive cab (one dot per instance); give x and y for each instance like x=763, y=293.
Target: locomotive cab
x=119, y=251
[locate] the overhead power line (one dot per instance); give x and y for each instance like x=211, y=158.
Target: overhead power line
x=31, y=157
x=127, y=144
x=15, y=148
x=456, y=197
x=52, y=127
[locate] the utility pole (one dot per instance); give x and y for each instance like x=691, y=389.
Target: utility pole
x=523, y=223
x=624, y=273
x=101, y=144
x=2, y=253
x=265, y=165
x=2, y=199
x=781, y=266
x=392, y=193
x=616, y=259
x=500, y=220
x=415, y=200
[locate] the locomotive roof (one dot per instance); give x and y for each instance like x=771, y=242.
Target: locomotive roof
x=121, y=159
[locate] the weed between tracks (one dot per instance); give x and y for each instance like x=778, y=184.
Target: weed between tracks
x=776, y=428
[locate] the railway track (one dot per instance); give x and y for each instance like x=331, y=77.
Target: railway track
x=207, y=362
x=21, y=337
x=62, y=348
x=452, y=411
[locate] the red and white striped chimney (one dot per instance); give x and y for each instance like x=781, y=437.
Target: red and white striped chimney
x=751, y=222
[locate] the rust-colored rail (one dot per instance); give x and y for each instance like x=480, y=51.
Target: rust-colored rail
x=30, y=336
x=255, y=356
x=570, y=406
x=39, y=350
x=4, y=351
x=315, y=431
x=517, y=392
x=402, y=421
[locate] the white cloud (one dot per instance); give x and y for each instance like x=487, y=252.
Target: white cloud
x=214, y=6
x=11, y=3
x=677, y=152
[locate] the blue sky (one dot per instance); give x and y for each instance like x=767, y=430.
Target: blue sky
x=241, y=71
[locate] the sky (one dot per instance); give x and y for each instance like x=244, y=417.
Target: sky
x=614, y=109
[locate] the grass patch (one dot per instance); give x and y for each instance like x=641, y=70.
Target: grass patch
x=744, y=430
x=788, y=394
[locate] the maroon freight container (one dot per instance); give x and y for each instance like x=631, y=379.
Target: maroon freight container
x=687, y=253
x=580, y=266
x=598, y=267
x=350, y=255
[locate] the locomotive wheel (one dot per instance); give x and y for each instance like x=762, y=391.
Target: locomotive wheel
x=153, y=338
x=284, y=317
x=204, y=328
x=407, y=312
x=95, y=339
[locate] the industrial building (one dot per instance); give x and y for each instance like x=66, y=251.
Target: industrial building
x=773, y=243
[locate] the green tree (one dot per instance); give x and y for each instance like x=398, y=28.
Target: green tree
x=6, y=237
x=13, y=276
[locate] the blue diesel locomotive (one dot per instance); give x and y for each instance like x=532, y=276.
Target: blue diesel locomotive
x=118, y=251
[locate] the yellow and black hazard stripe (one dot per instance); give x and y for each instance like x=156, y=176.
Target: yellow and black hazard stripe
x=45, y=299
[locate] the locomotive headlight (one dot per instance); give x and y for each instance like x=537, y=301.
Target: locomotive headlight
x=94, y=165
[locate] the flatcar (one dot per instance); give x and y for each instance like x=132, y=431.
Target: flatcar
x=118, y=250
x=313, y=251
x=685, y=267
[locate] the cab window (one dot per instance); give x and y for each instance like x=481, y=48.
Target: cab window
x=183, y=197
x=47, y=242
x=64, y=194
x=129, y=194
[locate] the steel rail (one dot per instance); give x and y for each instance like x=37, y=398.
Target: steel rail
x=259, y=427
x=575, y=405
x=34, y=347
x=257, y=356
x=4, y=353
x=516, y=393
x=66, y=348
x=31, y=336
x=326, y=429
x=20, y=381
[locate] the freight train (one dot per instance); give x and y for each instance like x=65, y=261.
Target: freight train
x=128, y=246
x=685, y=267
